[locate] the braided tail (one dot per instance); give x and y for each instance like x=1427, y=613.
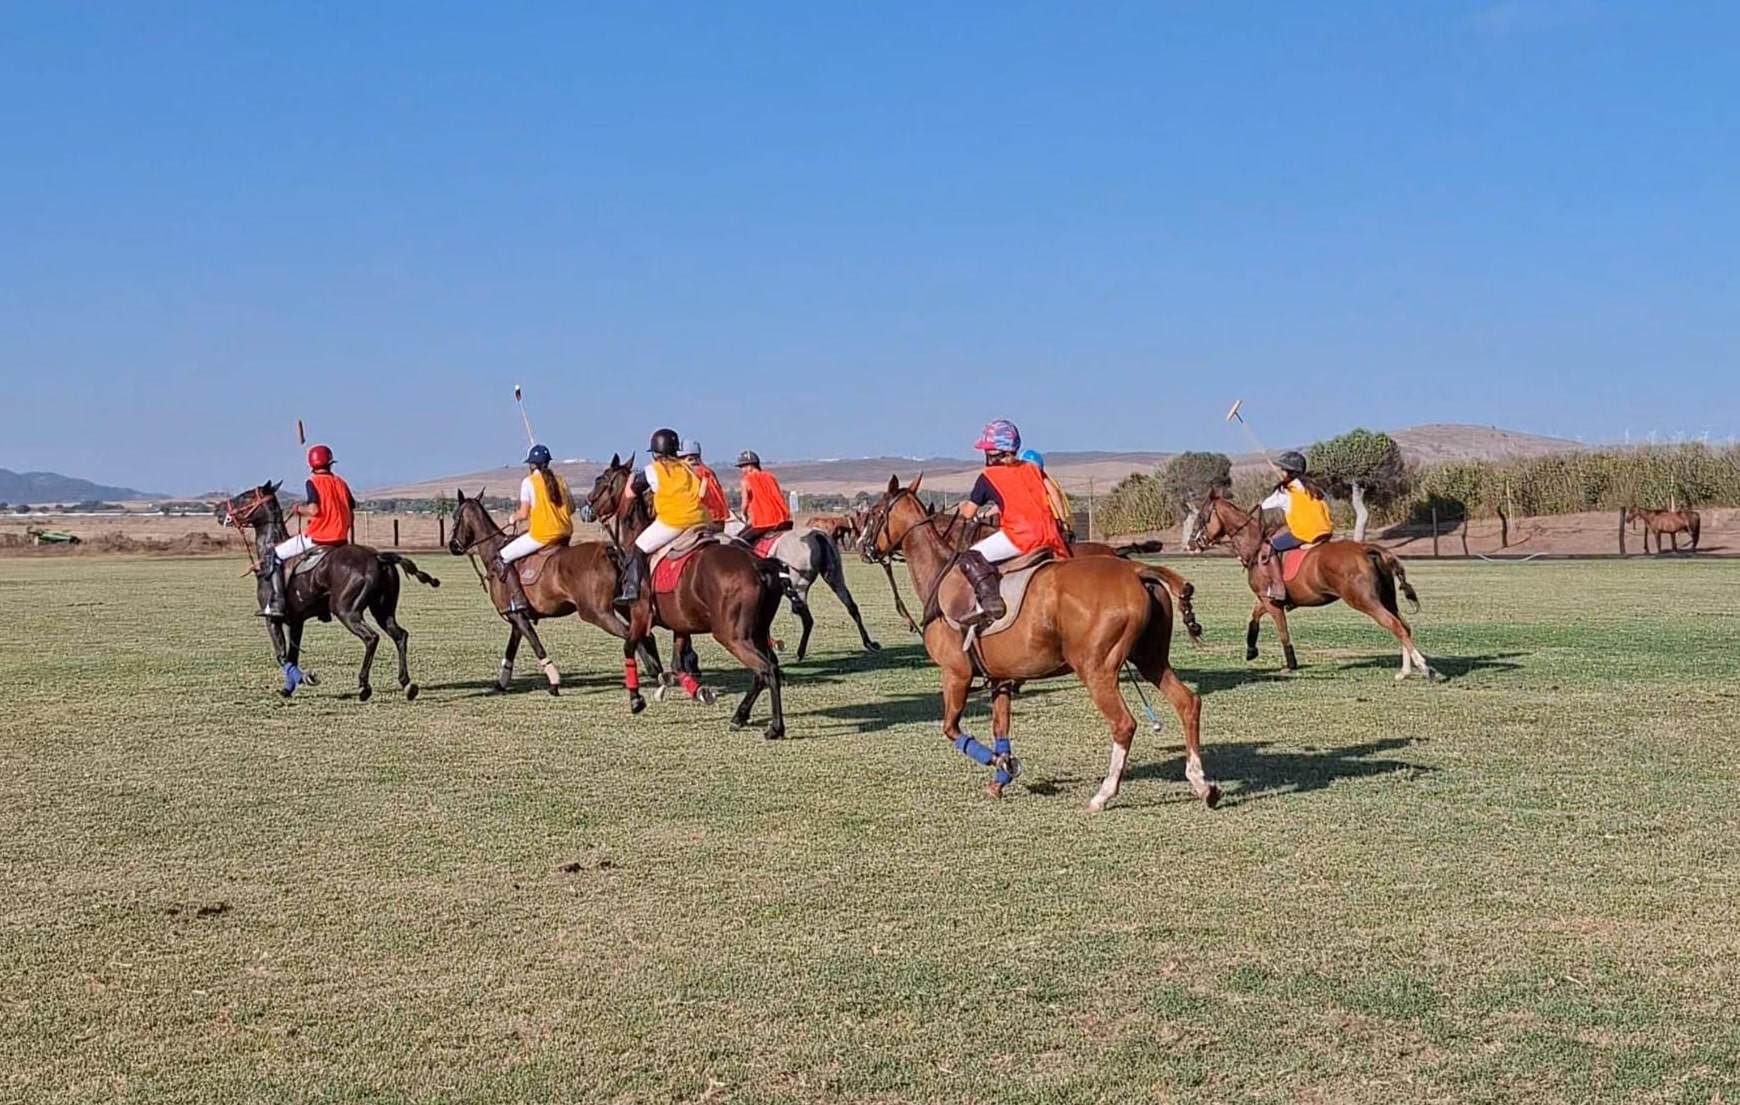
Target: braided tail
x=405, y=564
x=1181, y=590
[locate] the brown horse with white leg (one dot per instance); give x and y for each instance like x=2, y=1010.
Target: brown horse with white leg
x=577, y=578
x=1085, y=614
x=724, y=589
x=1364, y=576
x=1671, y=522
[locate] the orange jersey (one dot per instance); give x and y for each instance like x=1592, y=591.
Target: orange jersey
x=1027, y=518
x=334, y=510
x=712, y=493
x=764, y=503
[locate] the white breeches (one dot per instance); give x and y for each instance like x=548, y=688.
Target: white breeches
x=656, y=537
x=519, y=548
x=296, y=546
x=997, y=548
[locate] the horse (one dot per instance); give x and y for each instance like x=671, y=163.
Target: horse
x=807, y=553
x=1083, y=614
x=349, y=581
x=1671, y=522
x=724, y=589
x=840, y=528
x=570, y=579
x=1364, y=576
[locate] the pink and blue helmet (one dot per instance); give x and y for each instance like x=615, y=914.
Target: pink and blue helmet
x=999, y=436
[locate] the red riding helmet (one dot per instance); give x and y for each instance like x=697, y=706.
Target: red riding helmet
x=319, y=456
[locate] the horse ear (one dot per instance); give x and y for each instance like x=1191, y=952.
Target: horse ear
x=461, y=493
x=272, y=488
x=916, y=481
x=616, y=460
x=893, y=484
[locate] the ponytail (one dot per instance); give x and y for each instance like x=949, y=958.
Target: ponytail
x=552, y=486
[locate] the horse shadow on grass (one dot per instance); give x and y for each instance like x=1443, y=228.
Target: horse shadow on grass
x=1450, y=667
x=1251, y=771
x=887, y=710
x=534, y=684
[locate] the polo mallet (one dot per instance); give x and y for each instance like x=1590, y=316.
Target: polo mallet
x=1234, y=415
x=1135, y=681
x=301, y=438
x=521, y=400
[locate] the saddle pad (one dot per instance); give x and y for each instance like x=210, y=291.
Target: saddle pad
x=310, y=560
x=1292, y=560
x=765, y=543
x=957, y=602
x=667, y=570
x=533, y=566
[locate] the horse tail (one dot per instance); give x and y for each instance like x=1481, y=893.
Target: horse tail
x=1139, y=548
x=1180, y=589
x=1391, y=575
x=405, y=564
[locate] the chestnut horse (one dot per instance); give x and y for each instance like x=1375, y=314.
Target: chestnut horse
x=575, y=579
x=1084, y=614
x=1671, y=522
x=1363, y=576
x=725, y=590
x=352, y=580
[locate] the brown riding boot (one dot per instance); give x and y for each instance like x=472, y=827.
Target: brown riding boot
x=982, y=574
x=1276, y=591
x=516, y=590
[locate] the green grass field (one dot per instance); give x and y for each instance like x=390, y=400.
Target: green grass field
x=1516, y=886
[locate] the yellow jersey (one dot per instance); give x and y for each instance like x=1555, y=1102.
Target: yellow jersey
x=548, y=523
x=676, y=492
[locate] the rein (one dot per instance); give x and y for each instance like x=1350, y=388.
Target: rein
x=1254, y=518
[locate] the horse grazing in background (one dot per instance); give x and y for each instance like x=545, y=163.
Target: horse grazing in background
x=343, y=582
x=720, y=587
x=1084, y=614
x=558, y=580
x=842, y=529
x=808, y=552
x=1364, y=576
x=1671, y=522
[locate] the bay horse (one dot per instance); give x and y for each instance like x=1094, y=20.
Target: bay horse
x=1083, y=614
x=1364, y=576
x=808, y=552
x=1671, y=522
x=349, y=581
x=578, y=579
x=724, y=589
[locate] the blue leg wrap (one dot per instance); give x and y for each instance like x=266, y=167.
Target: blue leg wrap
x=1000, y=746
x=973, y=750
x=292, y=677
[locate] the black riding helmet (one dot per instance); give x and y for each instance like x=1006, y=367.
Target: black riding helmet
x=1291, y=462
x=664, y=442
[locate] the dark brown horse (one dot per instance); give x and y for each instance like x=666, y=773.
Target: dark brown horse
x=349, y=581
x=1364, y=576
x=1086, y=614
x=725, y=590
x=577, y=579
x=1671, y=522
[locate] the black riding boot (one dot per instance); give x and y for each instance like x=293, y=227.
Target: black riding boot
x=272, y=571
x=982, y=574
x=633, y=577
x=516, y=590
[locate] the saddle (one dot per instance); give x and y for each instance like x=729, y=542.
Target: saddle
x=668, y=563
x=531, y=567
x=309, y=560
x=957, y=603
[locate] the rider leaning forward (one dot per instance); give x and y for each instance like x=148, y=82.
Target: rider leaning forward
x=1308, y=523
x=1027, y=509
x=331, y=511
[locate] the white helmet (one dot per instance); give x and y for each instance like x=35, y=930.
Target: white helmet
x=691, y=450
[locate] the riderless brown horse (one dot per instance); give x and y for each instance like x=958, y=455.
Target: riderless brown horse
x=724, y=589
x=1671, y=522
x=578, y=578
x=1362, y=575
x=1085, y=614
x=347, y=582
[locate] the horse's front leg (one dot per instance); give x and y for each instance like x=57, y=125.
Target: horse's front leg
x=1280, y=617
x=1254, y=628
x=281, y=652
x=1008, y=768
x=293, y=630
x=505, y=676
x=523, y=624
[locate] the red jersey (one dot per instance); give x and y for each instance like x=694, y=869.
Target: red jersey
x=1027, y=518
x=712, y=494
x=334, y=510
x=763, y=502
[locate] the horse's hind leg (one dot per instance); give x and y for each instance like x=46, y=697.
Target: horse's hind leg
x=763, y=668
x=1103, y=686
x=352, y=620
x=401, y=642
x=1369, y=606
x=837, y=583
x=800, y=605
x=1156, y=668
x=1003, y=755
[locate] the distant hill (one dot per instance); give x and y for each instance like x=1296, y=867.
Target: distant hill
x=52, y=487
x=1076, y=471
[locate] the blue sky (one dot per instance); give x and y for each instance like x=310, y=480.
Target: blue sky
x=843, y=230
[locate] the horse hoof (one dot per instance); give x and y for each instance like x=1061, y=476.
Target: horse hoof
x=659, y=693
x=1250, y=654
x=311, y=679
x=706, y=696
x=872, y=646
x=994, y=789
x=738, y=723
x=555, y=691
x=636, y=704
x=286, y=692
x=667, y=679
x=778, y=644
x=1096, y=804
x=363, y=694
x=773, y=732
x=411, y=692
x=1212, y=798
x=496, y=688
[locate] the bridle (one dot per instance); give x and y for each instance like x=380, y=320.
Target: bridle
x=1200, y=527
x=236, y=519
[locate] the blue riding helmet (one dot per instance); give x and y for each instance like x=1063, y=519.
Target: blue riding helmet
x=539, y=455
x=1034, y=457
